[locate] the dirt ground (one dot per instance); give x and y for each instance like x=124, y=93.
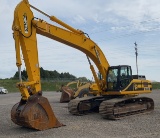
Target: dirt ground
x=87, y=126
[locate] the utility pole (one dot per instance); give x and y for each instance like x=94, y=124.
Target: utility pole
x=136, y=52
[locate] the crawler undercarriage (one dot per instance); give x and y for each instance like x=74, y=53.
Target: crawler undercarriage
x=111, y=107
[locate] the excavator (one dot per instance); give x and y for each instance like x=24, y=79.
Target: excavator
x=68, y=93
x=117, y=91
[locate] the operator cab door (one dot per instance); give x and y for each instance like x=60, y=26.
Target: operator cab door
x=125, y=77
x=118, y=77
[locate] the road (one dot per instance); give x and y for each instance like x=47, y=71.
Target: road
x=87, y=126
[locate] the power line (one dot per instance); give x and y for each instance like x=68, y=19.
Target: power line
x=142, y=22
x=128, y=34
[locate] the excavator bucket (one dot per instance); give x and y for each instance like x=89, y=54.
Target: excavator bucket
x=67, y=94
x=36, y=113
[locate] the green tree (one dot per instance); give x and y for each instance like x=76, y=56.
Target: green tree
x=45, y=74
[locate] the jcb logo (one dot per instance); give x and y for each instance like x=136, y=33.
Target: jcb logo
x=25, y=23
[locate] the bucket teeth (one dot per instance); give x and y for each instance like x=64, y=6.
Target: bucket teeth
x=36, y=113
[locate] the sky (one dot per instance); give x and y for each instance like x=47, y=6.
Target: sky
x=112, y=24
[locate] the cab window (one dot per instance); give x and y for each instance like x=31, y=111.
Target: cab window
x=112, y=79
x=125, y=76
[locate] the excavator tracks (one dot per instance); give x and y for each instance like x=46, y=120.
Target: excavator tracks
x=81, y=106
x=114, y=108
x=119, y=108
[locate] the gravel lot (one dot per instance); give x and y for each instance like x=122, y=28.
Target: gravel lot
x=88, y=126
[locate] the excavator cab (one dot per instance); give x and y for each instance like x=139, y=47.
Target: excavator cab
x=119, y=77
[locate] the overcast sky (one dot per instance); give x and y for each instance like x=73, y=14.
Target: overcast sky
x=114, y=25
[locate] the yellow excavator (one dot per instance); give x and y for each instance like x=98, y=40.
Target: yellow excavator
x=68, y=93
x=117, y=91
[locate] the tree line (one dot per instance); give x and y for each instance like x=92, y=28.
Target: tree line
x=46, y=74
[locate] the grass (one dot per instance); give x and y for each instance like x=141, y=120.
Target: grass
x=156, y=85
x=10, y=85
x=52, y=86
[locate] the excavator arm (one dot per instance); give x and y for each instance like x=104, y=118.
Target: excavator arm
x=25, y=27
x=25, y=39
